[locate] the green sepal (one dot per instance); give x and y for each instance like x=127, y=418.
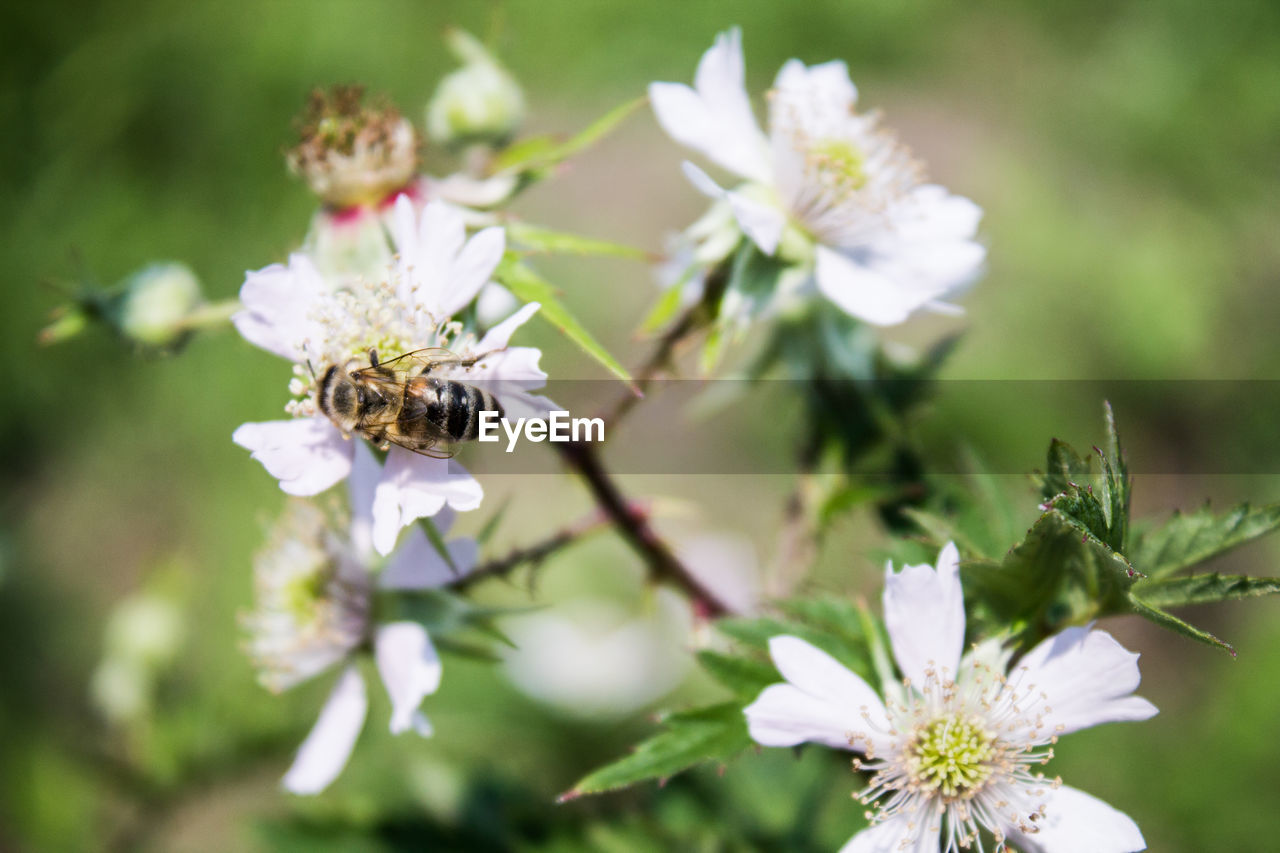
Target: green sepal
x=1173, y=623
x=535, y=156
x=436, y=538
x=715, y=733
x=528, y=286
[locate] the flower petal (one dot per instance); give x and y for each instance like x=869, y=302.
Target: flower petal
x=325, y=751
x=715, y=117
x=1086, y=678
x=924, y=614
x=1076, y=822
x=472, y=268
x=823, y=702
x=414, y=486
x=417, y=564
x=410, y=670
x=861, y=290
x=277, y=304
x=307, y=455
x=903, y=834
x=498, y=337
x=761, y=222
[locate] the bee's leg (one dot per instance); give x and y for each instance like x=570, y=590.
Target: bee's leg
x=456, y=361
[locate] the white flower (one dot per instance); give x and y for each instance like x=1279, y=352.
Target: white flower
x=827, y=183
x=294, y=312
x=315, y=611
x=952, y=749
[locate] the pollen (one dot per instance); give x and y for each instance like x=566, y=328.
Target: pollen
x=953, y=756
x=839, y=160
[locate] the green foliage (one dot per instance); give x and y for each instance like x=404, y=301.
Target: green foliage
x=534, y=158
x=535, y=239
x=455, y=623
x=528, y=286
x=1080, y=559
x=718, y=733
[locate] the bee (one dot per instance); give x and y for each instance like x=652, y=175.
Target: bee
x=399, y=402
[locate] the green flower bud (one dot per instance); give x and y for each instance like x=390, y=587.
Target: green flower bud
x=478, y=103
x=156, y=301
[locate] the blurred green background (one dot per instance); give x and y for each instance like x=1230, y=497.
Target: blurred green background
x=1125, y=154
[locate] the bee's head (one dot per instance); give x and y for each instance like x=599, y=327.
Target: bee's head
x=338, y=397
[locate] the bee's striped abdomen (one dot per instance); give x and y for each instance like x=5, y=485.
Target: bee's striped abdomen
x=455, y=409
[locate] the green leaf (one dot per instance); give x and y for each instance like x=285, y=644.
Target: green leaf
x=492, y=523
x=667, y=306
x=534, y=238
x=1185, y=540
x=746, y=677
x=1064, y=468
x=1173, y=623
x=437, y=543
x=716, y=733
x=541, y=153
x=528, y=286
x=829, y=624
x=941, y=530
x=1120, y=483
x=1203, y=589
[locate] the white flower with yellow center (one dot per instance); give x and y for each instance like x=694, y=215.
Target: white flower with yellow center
x=294, y=312
x=828, y=187
x=316, y=610
x=953, y=750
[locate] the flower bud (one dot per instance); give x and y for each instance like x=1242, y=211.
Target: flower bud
x=478, y=103
x=156, y=301
x=353, y=154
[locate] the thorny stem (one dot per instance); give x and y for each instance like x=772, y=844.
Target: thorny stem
x=635, y=528
x=536, y=553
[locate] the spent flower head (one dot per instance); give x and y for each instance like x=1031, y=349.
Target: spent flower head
x=954, y=750
x=351, y=152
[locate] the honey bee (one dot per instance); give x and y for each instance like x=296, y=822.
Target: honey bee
x=399, y=402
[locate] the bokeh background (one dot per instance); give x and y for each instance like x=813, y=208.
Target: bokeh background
x=1125, y=154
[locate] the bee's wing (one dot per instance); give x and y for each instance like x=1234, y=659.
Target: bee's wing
x=388, y=430
x=425, y=360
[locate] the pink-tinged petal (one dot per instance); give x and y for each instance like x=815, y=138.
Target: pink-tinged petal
x=417, y=564
x=1085, y=678
x=410, y=670
x=866, y=292
x=716, y=119
x=1076, y=822
x=325, y=751
x=497, y=337
x=924, y=614
x=823, y=702
x=472, y=269
x=908, y=833
x=278, y=302
x=307, y=455
x=761, y=222
x=414, y=486
x=362, y=485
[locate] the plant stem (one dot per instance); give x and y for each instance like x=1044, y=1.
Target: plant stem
x=635, y=529
x=536, y=553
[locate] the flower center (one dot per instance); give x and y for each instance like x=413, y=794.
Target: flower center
x=839, y=161
x=953, y=755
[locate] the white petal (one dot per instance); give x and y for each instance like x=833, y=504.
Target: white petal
x=414, y=486
x=1075, y=822
x=716, y=119
x=924, y=614
x=497, y=337
x=904, y=834
x=761, y=222
x=472, y=269
x=417, y=564
x=823, y=702
x=1086, y=678
x=410, y=669
x=278, y=301
x=865, y=292
x=325, y=751
x=362, y=485
x=307, y=455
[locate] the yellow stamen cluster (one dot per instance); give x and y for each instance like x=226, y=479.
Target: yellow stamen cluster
x=952, y=756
